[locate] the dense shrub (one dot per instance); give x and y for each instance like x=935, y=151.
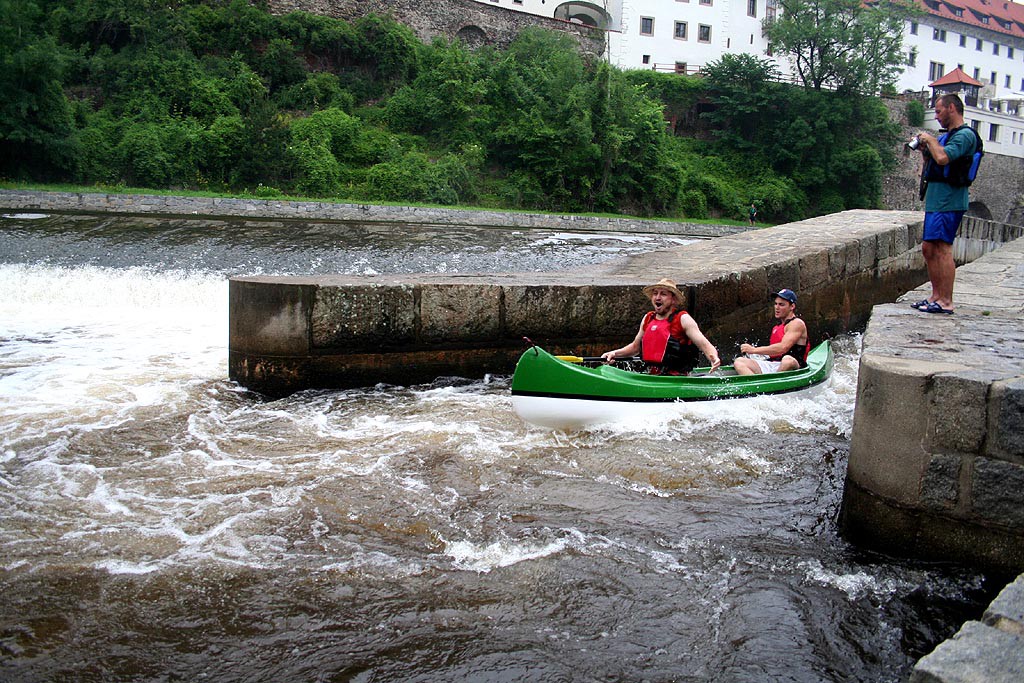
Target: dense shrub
x=221, y=94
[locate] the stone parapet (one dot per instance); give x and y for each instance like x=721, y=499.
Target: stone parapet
x=936, y=466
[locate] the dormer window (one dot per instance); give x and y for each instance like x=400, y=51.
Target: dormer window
x=984, y=20
x=958, y=12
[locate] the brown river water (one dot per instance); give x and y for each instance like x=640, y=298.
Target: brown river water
x=160, y=523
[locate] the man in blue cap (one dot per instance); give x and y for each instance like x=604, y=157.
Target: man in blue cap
x=787, y=346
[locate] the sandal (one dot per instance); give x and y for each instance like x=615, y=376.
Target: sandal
x=921, y=305
x=934, y=307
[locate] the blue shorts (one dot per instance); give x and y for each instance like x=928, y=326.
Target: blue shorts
x=941, y=226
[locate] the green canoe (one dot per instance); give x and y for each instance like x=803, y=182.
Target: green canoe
x=560, y=394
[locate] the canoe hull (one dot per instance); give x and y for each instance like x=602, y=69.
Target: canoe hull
x=560, y=395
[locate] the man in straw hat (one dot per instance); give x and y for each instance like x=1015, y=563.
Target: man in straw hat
x=669, y=338
x=787, y=345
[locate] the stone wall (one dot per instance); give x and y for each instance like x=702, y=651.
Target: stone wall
x=291, y=333
x=936, y=467
x=990, y=650
x=274, y=210
x=471, y=22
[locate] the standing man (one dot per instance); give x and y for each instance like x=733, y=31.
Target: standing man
x=752, y=213
x=787, y=346
x=669, y=338
x=947, y=160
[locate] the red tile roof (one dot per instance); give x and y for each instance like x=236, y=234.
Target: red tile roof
x=957, y=75
x=1002, y=16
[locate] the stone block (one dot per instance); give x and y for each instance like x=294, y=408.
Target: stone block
x=814, y=270
x=940, y=485
x=957, y=416
x=976, y=654
x=268, y=317
x=460, y=313
x=716, y=297
x=884, y=246
x=901, y=239
x=784, y=275
x=996, y=488
x=887, y=454
x=1006, y=612
x=752, y=287
x=543, y=312
x=363, y=317
x=1006, y=413
x=868, y=248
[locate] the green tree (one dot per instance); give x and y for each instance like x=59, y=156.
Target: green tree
x=742, y=88
x=37, y=136
x=847, y=45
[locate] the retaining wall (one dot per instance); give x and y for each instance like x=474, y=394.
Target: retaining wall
x=936, y=467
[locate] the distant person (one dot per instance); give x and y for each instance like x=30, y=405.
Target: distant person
x=947, y=161
x=787, y=346
x=669, y=339
x=752, y=213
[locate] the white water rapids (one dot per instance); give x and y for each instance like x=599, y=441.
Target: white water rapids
x=159, y=522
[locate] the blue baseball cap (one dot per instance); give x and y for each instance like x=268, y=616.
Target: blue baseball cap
x=787, y=294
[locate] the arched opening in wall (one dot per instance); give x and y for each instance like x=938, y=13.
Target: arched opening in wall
x=980, y=210
x=472, y=36
x=584, y=13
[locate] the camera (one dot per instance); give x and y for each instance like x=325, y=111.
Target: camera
x=914, y=142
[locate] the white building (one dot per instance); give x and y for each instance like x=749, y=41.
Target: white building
x=984, y=38
x=665, y=35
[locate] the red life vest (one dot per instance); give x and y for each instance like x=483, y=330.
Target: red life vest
x=665, y=343
x=798, y=351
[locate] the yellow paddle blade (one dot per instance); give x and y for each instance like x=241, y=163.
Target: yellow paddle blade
x=570, y=359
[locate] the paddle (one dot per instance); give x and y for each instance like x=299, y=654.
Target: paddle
x=593, y=359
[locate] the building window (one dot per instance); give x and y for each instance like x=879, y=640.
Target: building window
x=939, y=34
x=646, y=59
x=958, y=12
x=706, y=2
x=993, y=132
x=963, y=40
x=703, y=33
x=913, y=28
x=984, y=20
x=995, y=48
x=680, y=67
x=1009, y=53
x=993, y=79
x=1022, y=85
x=912, y=57
x=1007, y=80
x=977, y=74
x=935, y=71
x=751, y=8
x=647, y=26
x=770, y=8
x=977, y=46
x=680, y=30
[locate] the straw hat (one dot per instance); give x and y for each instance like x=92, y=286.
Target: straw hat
x=665, y=283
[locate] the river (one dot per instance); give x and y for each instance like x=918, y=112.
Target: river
x=160, y=523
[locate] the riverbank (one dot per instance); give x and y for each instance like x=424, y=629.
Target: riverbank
x=265, y=209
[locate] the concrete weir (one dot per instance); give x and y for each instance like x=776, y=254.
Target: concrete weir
x=292, y=333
